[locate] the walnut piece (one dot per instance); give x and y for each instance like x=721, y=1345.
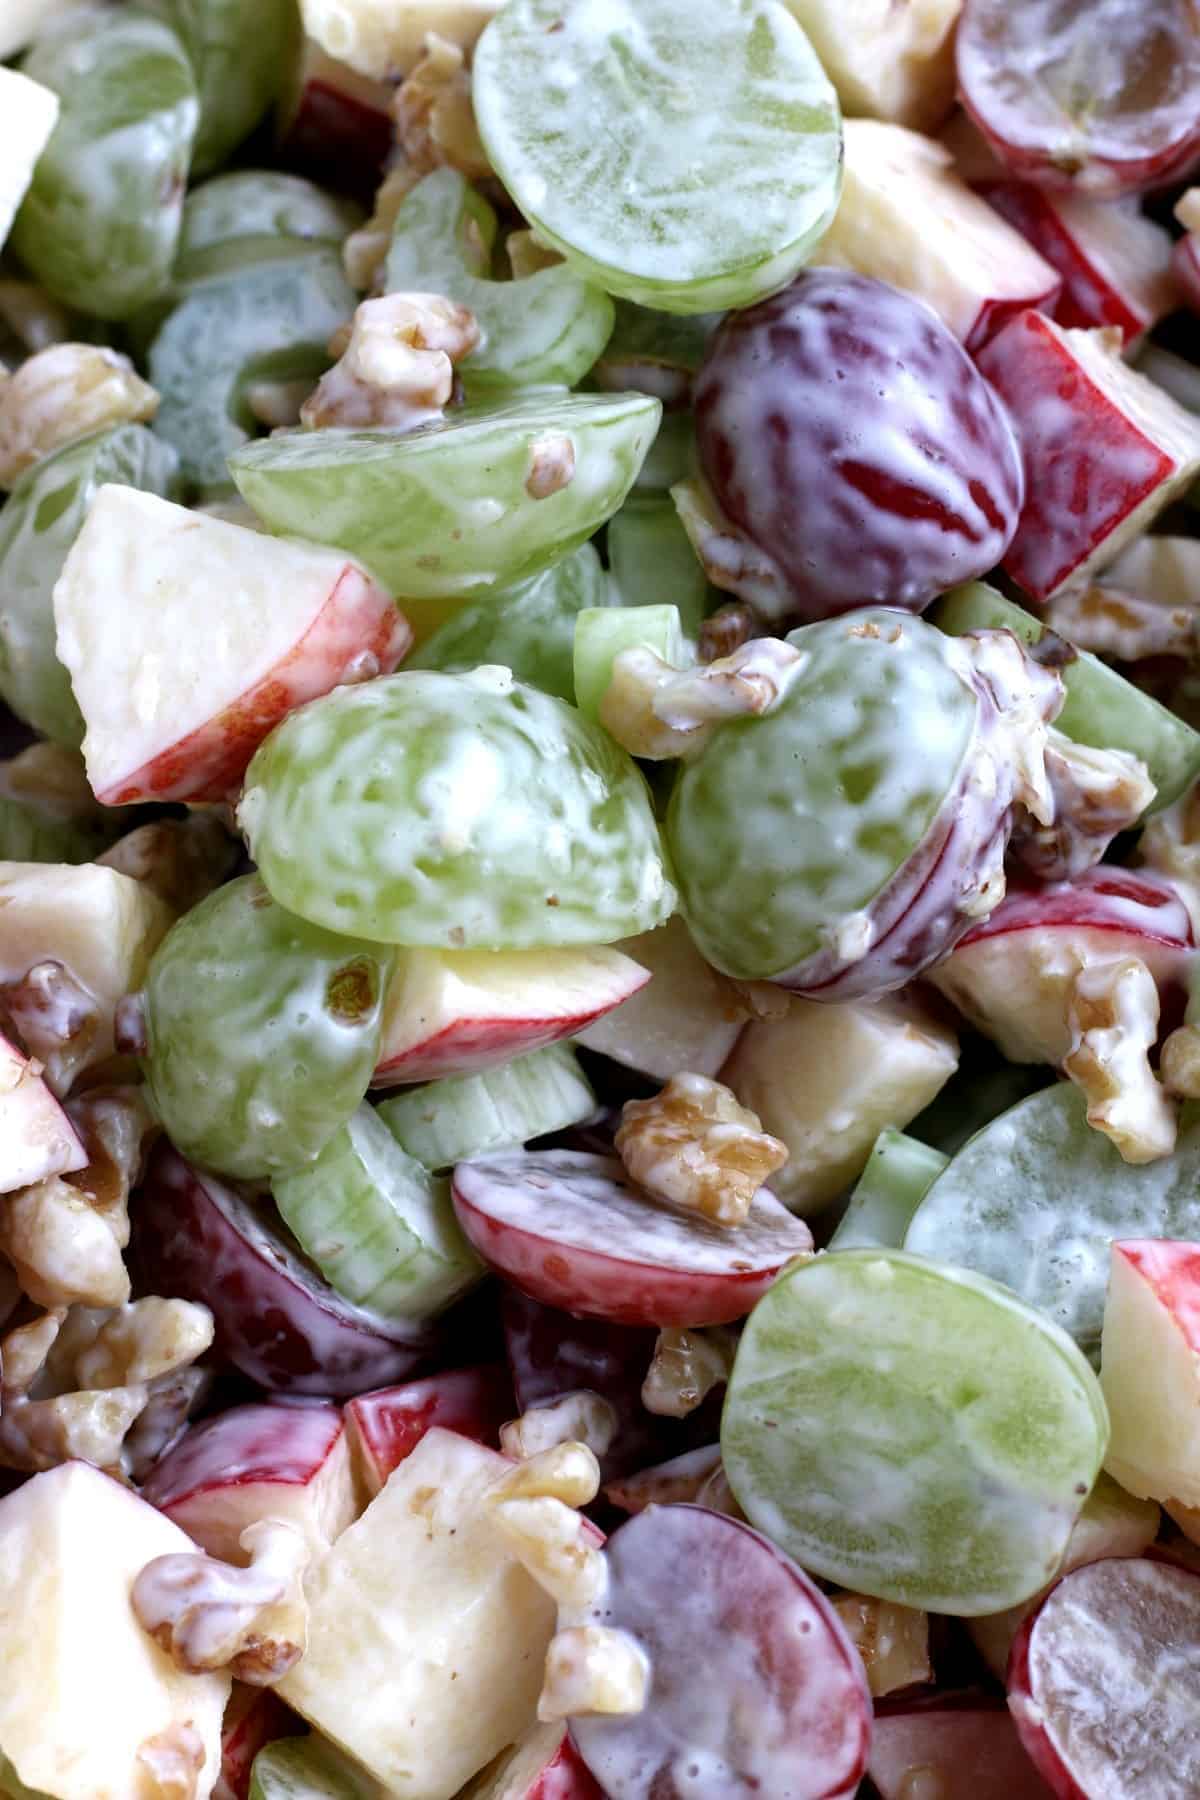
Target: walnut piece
x=568, y=1472
x=727, y=629
x=1170, y=845
x=527, y=255
x=145, y=1340
x=685, y=1368
x=56, y=1019
x=729, y=558
x=656, y=711
x=1112, y=622
x=593, y=1669
x=172, y=1762
x=365, y=250
x=1187, y=209
x=892, y=1640
x=672, y=1483
x=64, y=393
x=63, y=1251
x=435, y=121
x=551, y=465
x=1027, y=696
x=396, y=363
x=554, y=1544
x=696, y=1147
x=207, y=1614
x=1114, y=1023
x=180, y=860
x=1179, y=1063
x=1096, y=794
x=577, y=1417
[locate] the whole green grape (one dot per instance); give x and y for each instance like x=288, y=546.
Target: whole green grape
x=262, y=1032
x=238, y=53
x=43, y=517
x=100, y=223
x=460, y=811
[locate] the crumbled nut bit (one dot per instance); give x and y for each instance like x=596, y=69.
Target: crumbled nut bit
x=396, y=363
x=56, y=1019
x=163, y=1419
x=757, y=999
x=555, y=1545
x=1187, y=209
x=172, y=1761
x=696, y=1147
x=727, y=629
x=1179, y=1063
x=62, y=1250
x=729, y=558
x=277, y=404
x=1170, y=845
x=684, y=1370
x=62, y=394
x=593, y=1669
x=566, y=1471
x=207, y=1614
x=551, y=465
x=892, y=1640
x=23, y=1354
x=116, y=1125
x=435, y=121
x=673, y=1483
x=180, y=860
x=1110, y=622
x=527, y=255
x=579, y=1417
x=365, y=250
x=1027, y=696
x=656, y=711
x=1114, y=1023
x=1097, y=794
x=145, y=1340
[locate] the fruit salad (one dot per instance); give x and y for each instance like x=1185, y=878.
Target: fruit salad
x=599, y=900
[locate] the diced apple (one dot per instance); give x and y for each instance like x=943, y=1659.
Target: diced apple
x=689, y=1017
x=258, y=1462
x=36, y=1137
x=452, y=1012
x=545, y=1765
x=948, y=1751
x=382, y=38
x=1149, y=1368
x=886, y=60
x=907, y=218
x=1163, y=569
x=1104, y=449
x=1186, y=255
x=1115, y=263
x=426, y=1639
x=334, y=121
x=101, y=926
x=22, y=20
x=384, y=1428
x=188, y=638
x=82, y=1686
x=681, y=1480
x=828, y=1078
x=28, y=115
x=254, y=1718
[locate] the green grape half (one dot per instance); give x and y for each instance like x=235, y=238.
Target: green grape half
x=257, y=215
x=458, y=811
x=100, y=223
x=262, y=1032
x=653, y=563
x=238, y=53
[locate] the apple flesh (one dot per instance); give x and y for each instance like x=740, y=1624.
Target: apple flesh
x=37, y=1139
x=276, y=1319
x=28, y=115
x=426, y=1639
x=907, y=218
x=453, y=1012
x=384, y=1428
x=254, y=1718
x=188, y=638
x=384, y=38
x=334, y=122
x=886, y=61
x=21, y=21
x=1150, y=1370
x=545, y=1765
x=258, y=1462
x=964, y=1751
x=688, y=1017
x=1165, y=570
x=1104, y=450
x=827, y=1078
x=82, y=1686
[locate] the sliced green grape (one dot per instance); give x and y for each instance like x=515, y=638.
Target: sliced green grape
x=601, y=633
x=548, y=328
x=238, y=54
x=446, y=1122
x=459, y=507
x=652, y=560
x=683, y=155
x=1101, y=708
x=898, y=1175
x=911, y=1432
x=459, y=811
x=530, y=629
x=378, y=1225
x=100, y=223
x=655, y=352
x=262, y=1032
x=308, y=1768
x=1036, y=1198
x=44, y=515
x=271, y=322
x=257, y=215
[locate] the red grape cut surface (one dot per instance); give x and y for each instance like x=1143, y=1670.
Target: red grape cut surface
x=848, y=433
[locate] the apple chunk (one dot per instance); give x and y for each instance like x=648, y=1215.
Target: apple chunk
x=1104, y=449
x=426, y=1639
x=545, y=1765
x=907, y=218
x=1150, y=1368
x=385, y=1427
x=688, y=1017
x=36, y=1137
x=187, y=638
x=28, y=115
x=82, y=1687
x=452, y=1012
x=258, y=1462
x=886, y=60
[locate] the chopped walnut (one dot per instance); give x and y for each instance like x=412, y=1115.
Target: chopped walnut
x=727, y=629
x=1111, y=622
x=593, y=1669
x=116, y=1125
x=63, y=1251
x=696, y=1147
x=1170, y=844
x=62, y=394
x=1187, y=209
x=657, y=712
x=163, y=1420
x=1179, y=1063
x=568, y=1472
x=1096, y=793
x=56, y=1019
x=207, y=1614
x=673, y=1483
x=23, y=1354
x=396, y=363
x=1114, y=1023
x=527, y=255
x=364, y=252
x=435, y=121
x=32, y=316
x=892, y=1640
x=180, y=860
x=551, y=465
x=172, y=1762
x=555, y=1545
x=1027, y=696
x=578, y=1417
x=758, y=999
x=277, y=404
x=729, y=558
x=684, y=1370
x=145, y=1340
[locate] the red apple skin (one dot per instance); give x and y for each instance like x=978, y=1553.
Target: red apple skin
x=1185, y=264
x=1128, y=902
x=358, y=633
x=335, y=124
x=564, y=1778
x=468, y=1045
x=1172, y=1269
x=254, y=1718
x=1074, y=441
x=967, y=1744
x=276, y=1319
x=385, y=1427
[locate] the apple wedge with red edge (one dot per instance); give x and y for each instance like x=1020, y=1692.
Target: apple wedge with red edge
x=385, y=1427
x=276, y=1319
x=37, y=1139
x=1150, y=1368
x=332, y=122
x=544, y=1765
x=188, y=638
x=1104, y=450
x=254, y=1718
x=953, y=1747
x=258, y=1462
x=453, y=1012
